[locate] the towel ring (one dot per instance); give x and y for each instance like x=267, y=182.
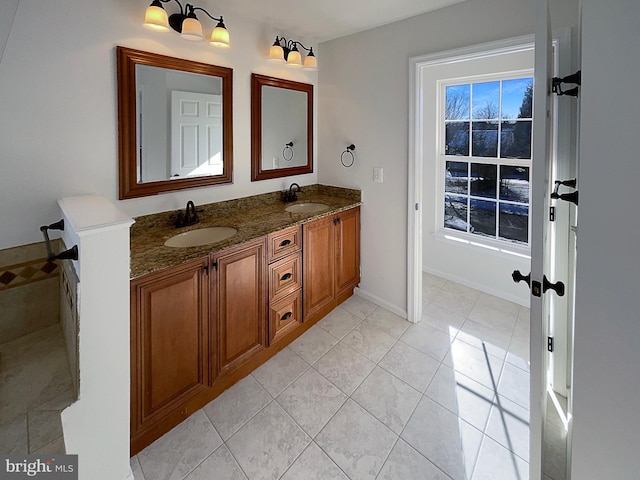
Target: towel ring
x=287, y=152
x=349, y=150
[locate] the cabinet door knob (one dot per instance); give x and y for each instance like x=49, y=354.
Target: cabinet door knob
x=286, y=276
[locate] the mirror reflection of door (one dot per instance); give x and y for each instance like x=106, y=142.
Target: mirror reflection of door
x=183, y=139
x=196, y=134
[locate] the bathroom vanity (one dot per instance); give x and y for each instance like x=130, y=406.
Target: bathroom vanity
x=204, y=317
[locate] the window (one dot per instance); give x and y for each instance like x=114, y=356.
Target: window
x=486, y=157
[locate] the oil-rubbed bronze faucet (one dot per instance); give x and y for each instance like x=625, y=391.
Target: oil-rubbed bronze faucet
x=190, y=216
x=290, y=195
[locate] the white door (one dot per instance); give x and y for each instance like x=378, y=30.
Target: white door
x=196, y=134
x=552, y=261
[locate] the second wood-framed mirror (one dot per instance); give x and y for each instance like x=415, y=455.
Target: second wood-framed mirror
x=281, y=127
x=175, y=123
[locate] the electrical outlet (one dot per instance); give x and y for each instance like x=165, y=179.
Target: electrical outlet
x=378, y=174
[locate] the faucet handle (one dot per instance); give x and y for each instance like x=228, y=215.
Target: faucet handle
x=180, y=220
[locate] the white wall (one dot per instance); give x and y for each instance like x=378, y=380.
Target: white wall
x=607, y=325
x=364, y=96
x=58, y=111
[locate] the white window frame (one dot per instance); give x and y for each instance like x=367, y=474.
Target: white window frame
x=481, y=241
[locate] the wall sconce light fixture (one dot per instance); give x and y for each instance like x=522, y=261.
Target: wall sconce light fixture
x=284, y=50
x=185, y=23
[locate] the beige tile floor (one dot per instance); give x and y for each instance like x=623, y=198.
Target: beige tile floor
x=366, y=395
x=35, y=386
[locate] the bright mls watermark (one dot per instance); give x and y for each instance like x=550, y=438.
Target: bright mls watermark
x=50, y=467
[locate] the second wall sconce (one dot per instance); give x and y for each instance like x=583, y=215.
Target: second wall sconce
x=284, y=50
x=185, y=23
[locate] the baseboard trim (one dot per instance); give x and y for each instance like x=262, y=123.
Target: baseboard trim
x=380, y=302
x=478, y=286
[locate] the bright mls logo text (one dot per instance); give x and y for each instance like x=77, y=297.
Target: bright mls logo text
x=60, y=467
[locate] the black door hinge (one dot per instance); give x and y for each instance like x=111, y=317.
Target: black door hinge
x=552, y=214
x=536, y=288
x=574, y=79
x=206, y=268
x=215, y=265
x=550, y=344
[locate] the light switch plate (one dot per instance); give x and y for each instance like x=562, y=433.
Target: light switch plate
x=378, y=174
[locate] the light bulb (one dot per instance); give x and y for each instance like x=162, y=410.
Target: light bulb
x=155, y=18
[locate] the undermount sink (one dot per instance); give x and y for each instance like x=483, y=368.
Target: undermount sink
x=202, y=236
x=308, y=207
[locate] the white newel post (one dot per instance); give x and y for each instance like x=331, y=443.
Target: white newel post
x=96, y=426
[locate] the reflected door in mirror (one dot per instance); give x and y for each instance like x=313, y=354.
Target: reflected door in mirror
x=175, y=123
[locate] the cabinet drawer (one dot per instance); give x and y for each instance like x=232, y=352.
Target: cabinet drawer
x=285, y=316
x=284, y=242
x=285, y=276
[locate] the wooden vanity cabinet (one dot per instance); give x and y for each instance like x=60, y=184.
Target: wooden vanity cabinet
x=285, y=282
x=199, y=327
x=239, y=301
x=172, y=346
x=331, y=262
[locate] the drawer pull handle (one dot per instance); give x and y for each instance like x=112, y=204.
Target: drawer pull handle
x=284, y=243
x=286, y=276
x=286, y=316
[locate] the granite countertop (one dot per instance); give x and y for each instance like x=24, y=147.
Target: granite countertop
x=253, y=217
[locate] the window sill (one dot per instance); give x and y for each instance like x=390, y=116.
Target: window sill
x=488, y=245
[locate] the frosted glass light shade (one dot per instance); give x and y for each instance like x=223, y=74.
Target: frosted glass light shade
x=155, y=18
x=191, y=29
x=294, y=59
x=310, y=63
x=276, y=54
x=220, y=37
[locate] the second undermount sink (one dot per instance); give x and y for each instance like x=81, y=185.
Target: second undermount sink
x=308, y=207
x=201, y=236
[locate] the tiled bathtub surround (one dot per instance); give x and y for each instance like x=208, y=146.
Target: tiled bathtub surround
x=364, y=394
x=69, y=318
x=29, y=291
x=35, y=384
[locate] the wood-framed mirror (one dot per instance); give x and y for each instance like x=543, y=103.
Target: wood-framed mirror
x=281, y=127
x=175, y=123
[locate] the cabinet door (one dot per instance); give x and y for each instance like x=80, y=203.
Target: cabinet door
x=347, y=240
x=241, y=303
x=319, y=273
x=170, y=340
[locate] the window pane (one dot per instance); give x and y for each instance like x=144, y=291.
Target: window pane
x=484, y=180
x=485, y=139
x=486, y=100
x=456, y=177
x=517, y=98
x=457, y=102
x=457, y=139
x=455, y=212
x=514, y=222
x=483, y=217
x=515, y=139
x=514, y=184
